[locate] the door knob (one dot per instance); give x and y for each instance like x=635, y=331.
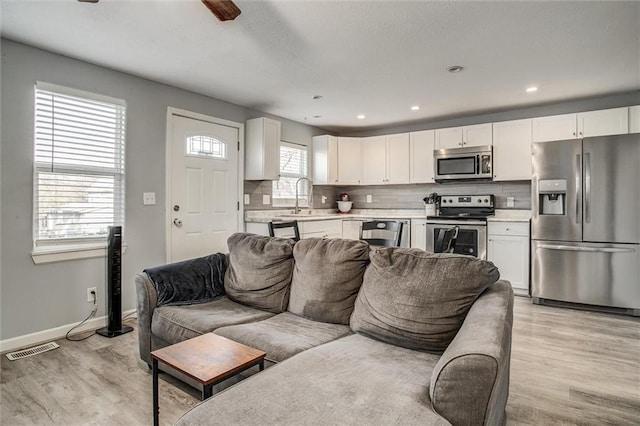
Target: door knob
x=177, y=222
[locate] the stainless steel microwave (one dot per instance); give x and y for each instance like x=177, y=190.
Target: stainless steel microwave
x=472, y=163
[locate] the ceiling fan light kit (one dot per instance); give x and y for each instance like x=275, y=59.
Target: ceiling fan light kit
x=225, y=10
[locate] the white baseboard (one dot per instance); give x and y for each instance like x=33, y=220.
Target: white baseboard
x=56, y=333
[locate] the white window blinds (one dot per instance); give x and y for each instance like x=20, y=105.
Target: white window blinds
x=293, y=166
x=78, y=164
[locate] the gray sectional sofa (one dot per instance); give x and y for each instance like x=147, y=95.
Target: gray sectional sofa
x=358, y=335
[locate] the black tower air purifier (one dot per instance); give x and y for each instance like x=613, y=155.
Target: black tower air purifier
x=114, y=285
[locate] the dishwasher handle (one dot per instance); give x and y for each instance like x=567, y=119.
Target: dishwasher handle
x=586, y=249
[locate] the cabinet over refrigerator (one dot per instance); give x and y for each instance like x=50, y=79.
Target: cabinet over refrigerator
x=585, y=226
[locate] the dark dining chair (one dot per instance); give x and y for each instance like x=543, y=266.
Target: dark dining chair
x=385, y=233
x=285, y=225
x=446, y=240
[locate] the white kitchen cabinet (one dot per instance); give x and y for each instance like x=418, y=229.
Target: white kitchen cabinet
x=256, y=228
x=613, y=121
x=554, y=128
x=458, y=137
x=385, y=159
x=419, y=233
x=421, y=146
x=325, y=160
x=512, y=150
x=262, y=149
x=351, y=229
x=374, y=160
x=349, y=161
x=634, y=119
x=508, y=248
x=320, y=228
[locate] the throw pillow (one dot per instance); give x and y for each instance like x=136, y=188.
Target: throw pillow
x=259, y=271
x=326, y=278
x=418, y=300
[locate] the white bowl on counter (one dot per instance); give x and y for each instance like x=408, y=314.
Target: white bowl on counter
x=344, y=206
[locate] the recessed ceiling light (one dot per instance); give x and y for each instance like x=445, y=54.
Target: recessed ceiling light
x=361, y=117
x=532, y=89
x=415, y=108
x=317, y=116
x=455, y=68
x=317, y=97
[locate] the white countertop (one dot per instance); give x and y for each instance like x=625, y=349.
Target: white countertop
x=264, y=216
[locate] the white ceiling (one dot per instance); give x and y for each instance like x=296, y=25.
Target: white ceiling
x=365, y=57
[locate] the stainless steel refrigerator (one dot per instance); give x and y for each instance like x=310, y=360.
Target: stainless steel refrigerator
x=585, y=226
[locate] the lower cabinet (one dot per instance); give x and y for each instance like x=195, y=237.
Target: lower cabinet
x=419, y=233
x=320, y=228
x=508, y=248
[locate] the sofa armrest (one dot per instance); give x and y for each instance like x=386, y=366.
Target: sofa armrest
x=147, y=301
x=470, y=383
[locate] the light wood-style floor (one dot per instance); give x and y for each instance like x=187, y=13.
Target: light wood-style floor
x=568, y=367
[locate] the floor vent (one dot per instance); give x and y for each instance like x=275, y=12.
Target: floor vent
x=32, y=351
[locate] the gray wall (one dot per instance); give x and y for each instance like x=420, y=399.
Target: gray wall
x=36, y=298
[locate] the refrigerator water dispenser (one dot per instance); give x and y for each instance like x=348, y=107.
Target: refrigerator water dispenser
x=553, y=197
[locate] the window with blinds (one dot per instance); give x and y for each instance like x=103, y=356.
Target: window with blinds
x=293, y=166
x=78, y=165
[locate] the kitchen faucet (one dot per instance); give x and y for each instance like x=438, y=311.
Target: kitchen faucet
x=296, y=210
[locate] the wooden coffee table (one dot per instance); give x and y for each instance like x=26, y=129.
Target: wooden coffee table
x=207, y=359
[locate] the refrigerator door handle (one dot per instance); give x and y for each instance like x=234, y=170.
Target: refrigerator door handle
x=578, y=189
x=587, y=249
x=587, y=187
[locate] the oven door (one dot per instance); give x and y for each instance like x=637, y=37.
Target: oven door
x=472, y=236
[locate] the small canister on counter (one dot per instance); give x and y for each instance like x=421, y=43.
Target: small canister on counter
x=430, y=203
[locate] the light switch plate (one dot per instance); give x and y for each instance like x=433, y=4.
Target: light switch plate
x=148, y=198
x=266, y=199
x=247, y=199
x=511, y=202
x=369, y=198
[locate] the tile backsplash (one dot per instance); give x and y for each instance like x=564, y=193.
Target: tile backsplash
x=398, y=196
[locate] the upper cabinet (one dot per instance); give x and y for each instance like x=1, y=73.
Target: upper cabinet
x=385, y=159
x=634, y=119
x=457, y=137
x=421, y=146
x=349, y=161
x=325, y=160
x=585, y=124
x=512, y=150
x=262, y=149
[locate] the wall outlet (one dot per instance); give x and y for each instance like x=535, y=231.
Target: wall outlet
x=266, y=199
x=511, y=202
x=247, y=199
x=369, y=198
x=324, y=199
x=148, y=198
x=90, y=296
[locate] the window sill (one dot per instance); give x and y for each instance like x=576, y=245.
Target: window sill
x=41, y=255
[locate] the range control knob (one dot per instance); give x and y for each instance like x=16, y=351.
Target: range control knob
x=486, y=201
x=479, y=200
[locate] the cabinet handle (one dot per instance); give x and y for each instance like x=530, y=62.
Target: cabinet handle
x=574, y=133
x=580, y=133
x=508, y=229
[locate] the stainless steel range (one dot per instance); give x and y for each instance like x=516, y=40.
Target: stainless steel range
x=469, y=213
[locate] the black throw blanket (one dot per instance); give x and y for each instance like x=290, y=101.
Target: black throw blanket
x=192, y=281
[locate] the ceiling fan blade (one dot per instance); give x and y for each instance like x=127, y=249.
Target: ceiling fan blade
x=225, y=10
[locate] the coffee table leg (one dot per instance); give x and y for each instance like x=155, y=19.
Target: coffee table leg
x=156, y=410
x=207, y=391
x=261, y=365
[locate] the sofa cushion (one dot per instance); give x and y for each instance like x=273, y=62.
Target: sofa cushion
x=416, y=299
x=326, y=278
x=259, y=271
x=175, y=324
x=284, y=335
x=351, y=381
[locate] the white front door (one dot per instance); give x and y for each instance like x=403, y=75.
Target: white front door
x=204, y=187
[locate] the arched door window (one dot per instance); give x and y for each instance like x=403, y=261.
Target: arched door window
x=206, y=146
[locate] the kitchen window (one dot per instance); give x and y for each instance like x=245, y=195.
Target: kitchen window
x=293, y=166
x=79, y=171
